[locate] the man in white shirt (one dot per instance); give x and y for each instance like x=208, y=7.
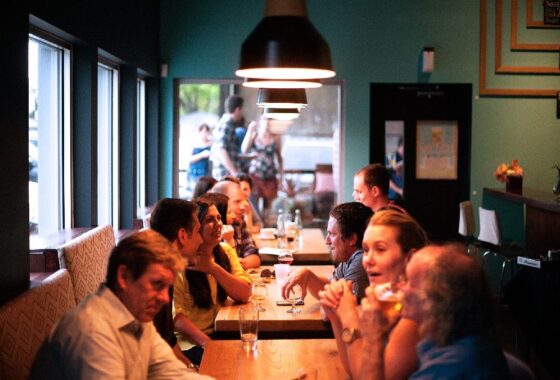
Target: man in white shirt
x=110, y=335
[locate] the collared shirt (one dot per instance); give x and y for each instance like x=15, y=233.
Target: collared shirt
x=183, y=302
x=353, y=270
x=227, y=139
x=244, y=243
x=101, y=339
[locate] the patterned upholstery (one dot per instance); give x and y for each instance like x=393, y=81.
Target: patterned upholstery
x=86, y=258
x=28, y=319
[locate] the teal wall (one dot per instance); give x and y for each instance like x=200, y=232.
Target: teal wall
x=376, y=41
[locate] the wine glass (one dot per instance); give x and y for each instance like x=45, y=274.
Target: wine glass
x=260, y=292
x=294, y=296
x=286, y=257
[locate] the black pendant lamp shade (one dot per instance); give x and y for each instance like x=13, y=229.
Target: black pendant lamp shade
x=285, y=45
x=281, y=113
x=282, y=98
x=281, y=83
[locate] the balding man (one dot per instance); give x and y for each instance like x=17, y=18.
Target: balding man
x=448, y=295
x=244, y=243
x=371, y=187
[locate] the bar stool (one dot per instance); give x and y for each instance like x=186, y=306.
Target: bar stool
x=494, y=249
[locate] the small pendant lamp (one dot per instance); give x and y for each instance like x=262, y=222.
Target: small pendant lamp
x=282, y=98
x=285, y=46
x=281, y=113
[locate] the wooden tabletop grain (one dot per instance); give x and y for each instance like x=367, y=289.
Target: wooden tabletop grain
x=311, y=250
x=275, y=318
x=277, y=359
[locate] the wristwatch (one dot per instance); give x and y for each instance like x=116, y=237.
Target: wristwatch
x=350, y=334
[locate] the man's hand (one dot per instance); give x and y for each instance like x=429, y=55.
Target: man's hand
x=297, y=277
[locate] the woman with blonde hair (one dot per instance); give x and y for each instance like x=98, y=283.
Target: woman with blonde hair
x=389, y=241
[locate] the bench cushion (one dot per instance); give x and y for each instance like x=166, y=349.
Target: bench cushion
x=27, y=320
x=86, y=258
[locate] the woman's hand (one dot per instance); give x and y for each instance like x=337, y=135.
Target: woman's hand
x=204, y=263
x=374, y=323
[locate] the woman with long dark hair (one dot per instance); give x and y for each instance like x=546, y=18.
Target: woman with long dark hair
x=201, y=289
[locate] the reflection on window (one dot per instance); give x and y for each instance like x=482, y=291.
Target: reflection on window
x=49, y=137
x=141, y=144
x=107, y=146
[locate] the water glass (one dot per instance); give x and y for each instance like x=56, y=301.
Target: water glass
x=260, y=292
x=249, y=327
x=281, y=272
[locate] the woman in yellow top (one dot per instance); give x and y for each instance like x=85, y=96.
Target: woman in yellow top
x=201, y=290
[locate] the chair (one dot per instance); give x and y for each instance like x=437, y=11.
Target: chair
x=466, y=220
x=28, y=319
x=518, y=370
x=86, y=258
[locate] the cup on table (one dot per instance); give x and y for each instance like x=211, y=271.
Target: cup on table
x=249, y=327
x=281, y=272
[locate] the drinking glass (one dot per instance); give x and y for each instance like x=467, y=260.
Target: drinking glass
x=260, y=292
x=390, y=296
x=286, y=257
x=293, y=297
x=249, y=327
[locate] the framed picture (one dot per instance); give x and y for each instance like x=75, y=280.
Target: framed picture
x=436, y=149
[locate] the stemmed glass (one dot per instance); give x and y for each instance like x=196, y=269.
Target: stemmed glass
x=260, y=292
x=294, y=296
x=286, y=257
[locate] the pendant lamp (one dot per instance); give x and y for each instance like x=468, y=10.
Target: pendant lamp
x=281, y=83
x=285, y=46
x=281, y=113
x=282, y=98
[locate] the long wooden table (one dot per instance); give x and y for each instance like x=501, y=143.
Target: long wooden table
x=275, y=321
x=312, y=249
x=274, y=359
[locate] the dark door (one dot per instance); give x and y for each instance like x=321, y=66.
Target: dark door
x=434, y=121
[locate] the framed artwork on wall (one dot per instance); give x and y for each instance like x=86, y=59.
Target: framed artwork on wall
x=436, y=149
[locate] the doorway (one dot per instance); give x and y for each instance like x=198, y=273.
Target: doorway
x=432, y=166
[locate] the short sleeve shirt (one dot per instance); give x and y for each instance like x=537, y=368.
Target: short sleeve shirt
x=353, y=270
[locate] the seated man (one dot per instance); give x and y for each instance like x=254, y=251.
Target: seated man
x=244, y=243
x=371, y=187
x=448, y=294
x=176, y=220
x=110, y=335
x=345, y=231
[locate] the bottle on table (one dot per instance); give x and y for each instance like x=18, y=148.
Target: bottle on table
x=281, y=229
x=299, y=225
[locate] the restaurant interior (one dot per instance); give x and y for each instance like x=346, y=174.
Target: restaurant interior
x=479, y=79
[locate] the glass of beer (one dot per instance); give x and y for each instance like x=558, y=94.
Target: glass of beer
x=390, y=297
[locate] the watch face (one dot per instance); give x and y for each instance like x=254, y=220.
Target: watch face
x=347, y=335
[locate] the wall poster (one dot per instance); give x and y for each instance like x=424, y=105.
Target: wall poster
x=436, y=149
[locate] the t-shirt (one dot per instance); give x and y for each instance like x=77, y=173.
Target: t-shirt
x=353, y=270
x=472, y=357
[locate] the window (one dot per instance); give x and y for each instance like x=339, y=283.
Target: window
x=107, y=145
x=50, y=199
x=141, y=144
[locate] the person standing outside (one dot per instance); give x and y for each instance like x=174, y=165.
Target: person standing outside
x=110, y=335
x=267, y=165
x=228, y=144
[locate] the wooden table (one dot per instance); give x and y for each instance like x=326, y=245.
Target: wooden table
x=312, y=250
x=275, y=321
x=274, y=359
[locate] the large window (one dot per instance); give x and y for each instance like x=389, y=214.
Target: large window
x=141, y=144
x=107, y=145
x=50, y=202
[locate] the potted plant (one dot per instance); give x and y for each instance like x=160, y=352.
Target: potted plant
x=511, y=175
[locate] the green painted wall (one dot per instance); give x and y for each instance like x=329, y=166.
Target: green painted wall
x=379, y=41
